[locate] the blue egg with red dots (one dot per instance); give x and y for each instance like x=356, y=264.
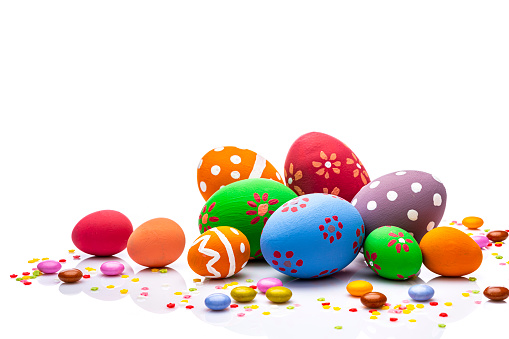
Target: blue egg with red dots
x=312, y=236
x=217, y=301
x=421, y=292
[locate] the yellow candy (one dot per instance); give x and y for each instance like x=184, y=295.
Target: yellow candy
x=397, y=307
x=254, y=307
x=465, y=294
x=45, y=259
x=243, y=293
x=196, y=280
x=375, y=313
x=124, y=291
x=178, y=293
x=71, y=251
x=326, y=307
x=26, y=277
x=31, y=261
x=278, y=294
x=135, y=279
x=448, y=303
x=184, y=301
x=498, y=242
x=266, y=313
x=89, y=269
x=110, y=286
x=125, y=276
x=155, y=270
x=336, y=308
x=412, y=320
x=373, y=317
x=234, y=283
x=470, y=233
x=407, y=311
x=419, y=306
x=494, y=253
x=385, y=307
x=359, y=287
x=410, y=307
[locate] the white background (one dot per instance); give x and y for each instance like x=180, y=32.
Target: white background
x=111, y=104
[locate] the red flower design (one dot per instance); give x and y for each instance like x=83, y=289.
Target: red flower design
x=262, y=208
x=204, y=217
x=331, y=229
x=370, y=260
x=292, y=205
x=400, y=242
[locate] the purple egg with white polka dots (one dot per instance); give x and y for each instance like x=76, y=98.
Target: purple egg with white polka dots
x=412, y=200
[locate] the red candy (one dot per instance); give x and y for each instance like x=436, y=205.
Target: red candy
x=443, y=315
x=189, y=307
x=433, y=303
x=490, y=244
x=170, y=305
x=234, y=306
x=62, y=260
x=498, y=245
x=13, y=275
x=371, y=311
x=325, y=304
x=76, y=256
x=353, y=310
x=26, y=282
x=26, y=273
x=393, y=319
x=86, y=276
x=254, y=287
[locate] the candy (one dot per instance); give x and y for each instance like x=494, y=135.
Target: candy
x=421, y=292
x=170, y=305
x=112, y=268
x=481, y=240
x=448, y=303
x=433, y=303
x=243, y=293
x=278, y=294
x=13, y=275
x=86, y=276
x=124, y=291
x=264, y=284
x=496, y=293
x=49, y=266
x=472, y=222
x=71, y=275
x=373, y=299
x=359, y=287
x=497, y=236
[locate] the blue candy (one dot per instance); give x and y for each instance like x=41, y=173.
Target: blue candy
x=217, y=301
x=421, y=292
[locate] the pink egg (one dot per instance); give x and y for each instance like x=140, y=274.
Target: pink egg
x=112, y=268
x=49, y=266
x=481, y=240
x=264, y=284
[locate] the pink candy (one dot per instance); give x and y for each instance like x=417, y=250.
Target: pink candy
x=112, y=268
x=264, y=284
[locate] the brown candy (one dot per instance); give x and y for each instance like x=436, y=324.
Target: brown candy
x=496, y=293
x=71, y=275
x=497, y=236
x=373, y=299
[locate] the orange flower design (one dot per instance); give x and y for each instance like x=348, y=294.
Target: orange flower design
x=335, y=191
x=357, y=171
x=327, y=164
x=293, y=178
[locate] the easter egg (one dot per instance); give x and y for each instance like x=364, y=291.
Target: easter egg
x=243, y=293
x=219, y=253
x=49, y=266
x=412, y=200
x=392, y=253
x=224, y=165
x=217, y=301
x=313, y=235
x=421, y=292
x=264, y=284
x=112, y=268
x=472, y=222
x=245, y=205
x=156, y=243
x=481, y=240
x=496, y=293
x=71, y=275
x=320, y=163
x=373, y=299
x=497, y=236
x=359, y=287
x=278, y=294
x=449, y=252
x=102, y=233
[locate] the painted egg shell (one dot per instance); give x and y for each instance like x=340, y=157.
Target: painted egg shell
x=449, y=252
x=49, y=266
x=264, y=284
x=156, y=243
x=71, y=275
x=392, y=253
x=412, y=200
x=421, y=292
x=278, y=294
x=243, y=293
x=320, y=163
x=224, y=165
x=102, y=233
x=219, y=253
x=245, y=205
x=112, y=268
x=217, y=301
x=481, y=240
x=312, y=236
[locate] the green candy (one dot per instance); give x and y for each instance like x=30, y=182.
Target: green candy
x=392, y=253
x=94, y=288
x=37, y=273
x=441, y=325
x=245, y=205
x=338, y=327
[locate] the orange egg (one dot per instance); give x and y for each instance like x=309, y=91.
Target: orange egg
x=472, y=222
x=224, y=165
x=156, y=243
x=449, y=252
x=219, y=252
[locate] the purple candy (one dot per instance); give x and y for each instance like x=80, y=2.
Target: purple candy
x=264, y=284
x=481, y=240
x=49, y=266
x=112, y=268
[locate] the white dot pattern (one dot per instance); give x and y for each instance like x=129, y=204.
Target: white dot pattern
x=235, y=159
x=391, y=195
x=219, y=149
x=199, y=164
x=416, y=187
x=437, y=199
x=235, y=174
x=374, y=184
x=371, y=205
x=242, y=247
x=215, y=170
x=412, y=215
x=203, y=186
x=430, y=226
x=401, y=173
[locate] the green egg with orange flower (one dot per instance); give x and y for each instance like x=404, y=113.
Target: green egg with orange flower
x=245, y=205
x=392, y=253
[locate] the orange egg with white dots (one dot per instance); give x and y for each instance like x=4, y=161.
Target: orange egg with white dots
x=219, y=252
x=224, y=165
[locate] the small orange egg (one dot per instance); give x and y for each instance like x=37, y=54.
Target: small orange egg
x=358, y=288
x=472, y=222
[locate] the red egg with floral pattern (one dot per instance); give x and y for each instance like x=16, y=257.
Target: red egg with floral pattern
x=320, y=163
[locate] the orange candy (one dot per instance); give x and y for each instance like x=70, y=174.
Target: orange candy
x=224, y=165
x=156, y=243
x=449, y=252
x=219, y=252
x=358, y=288
x=472, y=222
